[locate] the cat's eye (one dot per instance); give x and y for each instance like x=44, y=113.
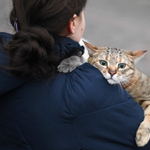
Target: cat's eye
x=103, y=62
x=122, y=65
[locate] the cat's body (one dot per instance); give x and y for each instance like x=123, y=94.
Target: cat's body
x=117, y=67
x=140, y=87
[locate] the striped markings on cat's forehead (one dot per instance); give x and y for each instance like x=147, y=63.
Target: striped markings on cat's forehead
x=112, y=55
x=114, y=51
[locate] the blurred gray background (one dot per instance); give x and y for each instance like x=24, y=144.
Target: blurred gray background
x=123, y=24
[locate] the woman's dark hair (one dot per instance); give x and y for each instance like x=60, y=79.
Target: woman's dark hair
x=39, y=21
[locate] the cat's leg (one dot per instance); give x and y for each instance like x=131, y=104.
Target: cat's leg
x=143, y=132
x=69, y=64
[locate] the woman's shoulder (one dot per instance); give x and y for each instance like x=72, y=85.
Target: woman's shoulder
x=5, y=36
x=91, y=92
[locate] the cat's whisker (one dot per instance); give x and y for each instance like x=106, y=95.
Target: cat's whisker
x=131, y=90
x=131, y=83
x=120, y=88
x=126, y=84
x=128, y=77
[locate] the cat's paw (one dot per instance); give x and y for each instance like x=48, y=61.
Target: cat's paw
x=143, y=134
x=69, y=64
x=65, y=68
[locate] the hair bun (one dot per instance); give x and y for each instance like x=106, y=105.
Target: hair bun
x=31, y=54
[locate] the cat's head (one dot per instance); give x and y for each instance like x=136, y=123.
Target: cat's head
x=116, y=65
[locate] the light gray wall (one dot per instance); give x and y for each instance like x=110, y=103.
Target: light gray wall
x=5, y=8
x=123, y=24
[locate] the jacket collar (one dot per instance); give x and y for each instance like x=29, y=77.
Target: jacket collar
x=67, y=47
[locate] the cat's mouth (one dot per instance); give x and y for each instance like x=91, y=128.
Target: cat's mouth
x=111, y=81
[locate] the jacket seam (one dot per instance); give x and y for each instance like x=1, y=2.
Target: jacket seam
x=70, y=113
x=105, y=108
x=19, y=129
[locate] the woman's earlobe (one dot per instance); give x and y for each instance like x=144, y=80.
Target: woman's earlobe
x=71, y=27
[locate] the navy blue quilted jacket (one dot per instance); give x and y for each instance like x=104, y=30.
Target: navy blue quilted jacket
x=74, y=111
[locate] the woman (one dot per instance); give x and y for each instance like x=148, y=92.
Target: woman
x=41, y=109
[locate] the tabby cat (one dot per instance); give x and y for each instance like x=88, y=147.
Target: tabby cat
x=117, y=67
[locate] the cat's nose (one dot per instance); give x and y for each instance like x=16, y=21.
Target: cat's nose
x=112, y=73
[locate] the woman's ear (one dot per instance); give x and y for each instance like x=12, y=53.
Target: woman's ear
x=72, y=24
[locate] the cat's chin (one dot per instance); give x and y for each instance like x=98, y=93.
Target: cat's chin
x=111, y=81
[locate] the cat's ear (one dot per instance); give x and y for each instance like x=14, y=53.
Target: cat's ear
x=91, y=48
x=136, y=55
